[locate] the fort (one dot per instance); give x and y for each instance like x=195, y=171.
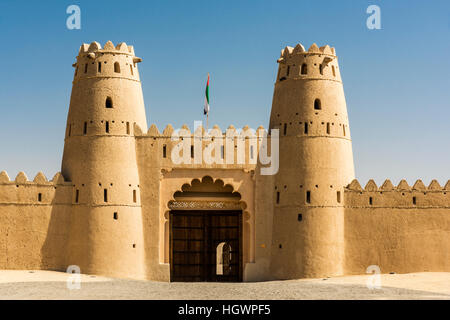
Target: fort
x=122, y=207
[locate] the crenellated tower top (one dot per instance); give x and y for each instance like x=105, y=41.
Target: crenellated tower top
x=109, y=61
x=314, y=63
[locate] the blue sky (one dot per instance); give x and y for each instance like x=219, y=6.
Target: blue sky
x=396, y=79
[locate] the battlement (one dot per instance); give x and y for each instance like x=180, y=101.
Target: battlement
x=315, y=63
x=183, y=148
x=288, y=52
x=401, y=196
x=40, y=191
x=121, y=48
x=200, y=131
x=387, y=185
x=107, y=62
x=39, y=179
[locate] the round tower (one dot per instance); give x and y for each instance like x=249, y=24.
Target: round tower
x=316, y=163
x=106, y=235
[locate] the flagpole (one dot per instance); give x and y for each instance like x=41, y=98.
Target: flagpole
x=207, y=101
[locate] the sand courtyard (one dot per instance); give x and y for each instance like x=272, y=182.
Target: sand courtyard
x=18, y=284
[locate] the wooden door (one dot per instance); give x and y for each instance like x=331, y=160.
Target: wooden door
x=206, y=246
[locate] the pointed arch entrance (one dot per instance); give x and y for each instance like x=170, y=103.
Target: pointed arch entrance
x=205, y=226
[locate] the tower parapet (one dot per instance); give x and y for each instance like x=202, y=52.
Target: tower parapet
x=109, y=61
x=314, y=63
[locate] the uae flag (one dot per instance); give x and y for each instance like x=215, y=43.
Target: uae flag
x=206, y=109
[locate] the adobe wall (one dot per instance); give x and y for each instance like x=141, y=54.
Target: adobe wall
x=160, y=178
x=33, y=222
x=401, y=229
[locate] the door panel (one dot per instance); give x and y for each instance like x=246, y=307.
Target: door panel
x=206, y=246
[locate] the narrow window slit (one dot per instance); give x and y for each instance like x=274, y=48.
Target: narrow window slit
x=304, y=69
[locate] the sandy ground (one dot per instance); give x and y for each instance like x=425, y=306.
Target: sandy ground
x=54, y=285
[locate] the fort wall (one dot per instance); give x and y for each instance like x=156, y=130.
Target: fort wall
x=34, y=218
x=401, y=229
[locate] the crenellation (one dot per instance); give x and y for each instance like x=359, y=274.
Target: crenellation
x=390, y=197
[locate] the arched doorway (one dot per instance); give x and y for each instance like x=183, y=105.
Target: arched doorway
x=206, y=233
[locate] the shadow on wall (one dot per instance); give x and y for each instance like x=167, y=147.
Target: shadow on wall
x=53, y=251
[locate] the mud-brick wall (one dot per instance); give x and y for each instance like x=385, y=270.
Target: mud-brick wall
x=401, y=229
x=34, y=217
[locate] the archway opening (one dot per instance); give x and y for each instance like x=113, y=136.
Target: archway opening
x=206, y=233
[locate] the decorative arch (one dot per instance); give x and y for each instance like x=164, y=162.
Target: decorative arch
x=240, y=184
x=206, y=194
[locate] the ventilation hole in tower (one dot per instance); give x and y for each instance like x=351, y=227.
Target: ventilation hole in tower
x=328, y=128
x=39, y=197
x=108, y=103
x=285, y=129
x=343, y=128
x=317, y=104
x=164, y=151
x=339, y=197
x=85, y=68
x=131, y=69
x=321, y=69
x=128, y=128
x=306, y=128
x=299, y=217
x=304, y=69
x=134, y=196
x=85, y=128
x=70, y=129
x=116, y=67
x=370, y=200
x=134, y=245
x=99, y=67
x=107, y=127
x=308, y=196
x=105, y=195
x=116, y=216
x=414, y=200
x=334, y=71
x=278, y=197
x=77, y=195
